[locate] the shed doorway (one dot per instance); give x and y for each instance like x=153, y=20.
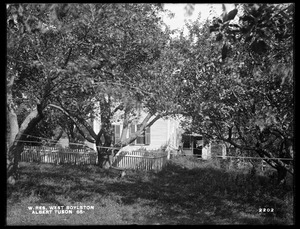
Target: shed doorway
x=192, y=144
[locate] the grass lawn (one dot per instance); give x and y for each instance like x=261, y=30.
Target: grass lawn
x=184, y=192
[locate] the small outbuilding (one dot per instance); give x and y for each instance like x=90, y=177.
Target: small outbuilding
x=195, y=144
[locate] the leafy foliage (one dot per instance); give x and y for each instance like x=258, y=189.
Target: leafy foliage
x=88, y=61
x=240, y=80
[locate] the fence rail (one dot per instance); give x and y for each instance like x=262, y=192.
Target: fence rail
x=238, y=162
x=56, y=149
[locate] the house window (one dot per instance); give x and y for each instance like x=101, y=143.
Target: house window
x=140, y=139
x=144, y=138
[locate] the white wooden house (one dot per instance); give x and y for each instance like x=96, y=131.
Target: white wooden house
x=164, y=133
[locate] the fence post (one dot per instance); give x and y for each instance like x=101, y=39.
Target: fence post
x=263, y=165
x=223, y=151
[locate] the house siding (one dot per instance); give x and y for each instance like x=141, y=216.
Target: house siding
x=163, y=133
x=174, y=133
x=63, y=142
x=159, y=134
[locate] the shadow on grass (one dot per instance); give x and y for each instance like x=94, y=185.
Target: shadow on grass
x=178, y=194
x=206, y=196
x=48, y=181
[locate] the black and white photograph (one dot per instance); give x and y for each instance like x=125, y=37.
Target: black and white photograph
x=150, y=114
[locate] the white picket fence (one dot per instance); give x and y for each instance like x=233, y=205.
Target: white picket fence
x=140, y=160
x=136, y=160
x=53, y=155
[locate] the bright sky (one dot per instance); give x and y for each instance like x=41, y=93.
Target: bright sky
x=206, y=10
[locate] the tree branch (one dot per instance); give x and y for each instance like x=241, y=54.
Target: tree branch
x=11, y=82
x=68, y=58
x=120, y=107
x=81, y=120
x=137, y=133
x=92, y=140
x=265, y=155
x=239, y=132
x=153, y=120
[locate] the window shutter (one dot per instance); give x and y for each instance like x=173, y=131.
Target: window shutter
x=131, y=131
x=140, y=139
x=117, y=133
x=113, y=136
x=147, y=136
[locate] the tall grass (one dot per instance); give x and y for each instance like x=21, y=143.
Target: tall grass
x=186, y=191
x=242, y=186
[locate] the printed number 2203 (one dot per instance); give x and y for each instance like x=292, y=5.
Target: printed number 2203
x=262, y=210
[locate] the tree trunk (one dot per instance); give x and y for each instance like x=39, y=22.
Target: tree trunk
x=103, y=156
x=281, y=175
x=58, y=136
x=103, y=153
x=16, y=147
x=14, y=127
x=103, y=160
x=13, y=162
x=106, y=133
